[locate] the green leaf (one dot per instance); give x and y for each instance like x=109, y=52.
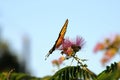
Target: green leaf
x=74, y=73
x=111, y=73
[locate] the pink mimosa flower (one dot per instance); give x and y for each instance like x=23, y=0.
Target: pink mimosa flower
x=111, y=47
x=98, y=47
x=69, y=47
x=108, y=55
x=61, y=59
x=55, y=62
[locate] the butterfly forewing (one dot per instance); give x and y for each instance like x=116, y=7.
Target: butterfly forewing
x=61, y=35
x=59, y=39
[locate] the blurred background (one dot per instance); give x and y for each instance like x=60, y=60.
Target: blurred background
x=28, y=29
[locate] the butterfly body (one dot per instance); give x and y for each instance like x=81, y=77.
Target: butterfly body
x=59, y=39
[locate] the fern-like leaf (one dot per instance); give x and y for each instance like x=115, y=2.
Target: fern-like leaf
x=74, y=73
x=111, y=73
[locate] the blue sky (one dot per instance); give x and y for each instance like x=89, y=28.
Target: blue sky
x=42, y=20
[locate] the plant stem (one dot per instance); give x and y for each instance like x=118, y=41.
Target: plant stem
x=80, y=61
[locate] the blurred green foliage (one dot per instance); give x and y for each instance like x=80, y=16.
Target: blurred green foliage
x=111, y=73
x=8, y=60
x=17, y=76
x=70, y=73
